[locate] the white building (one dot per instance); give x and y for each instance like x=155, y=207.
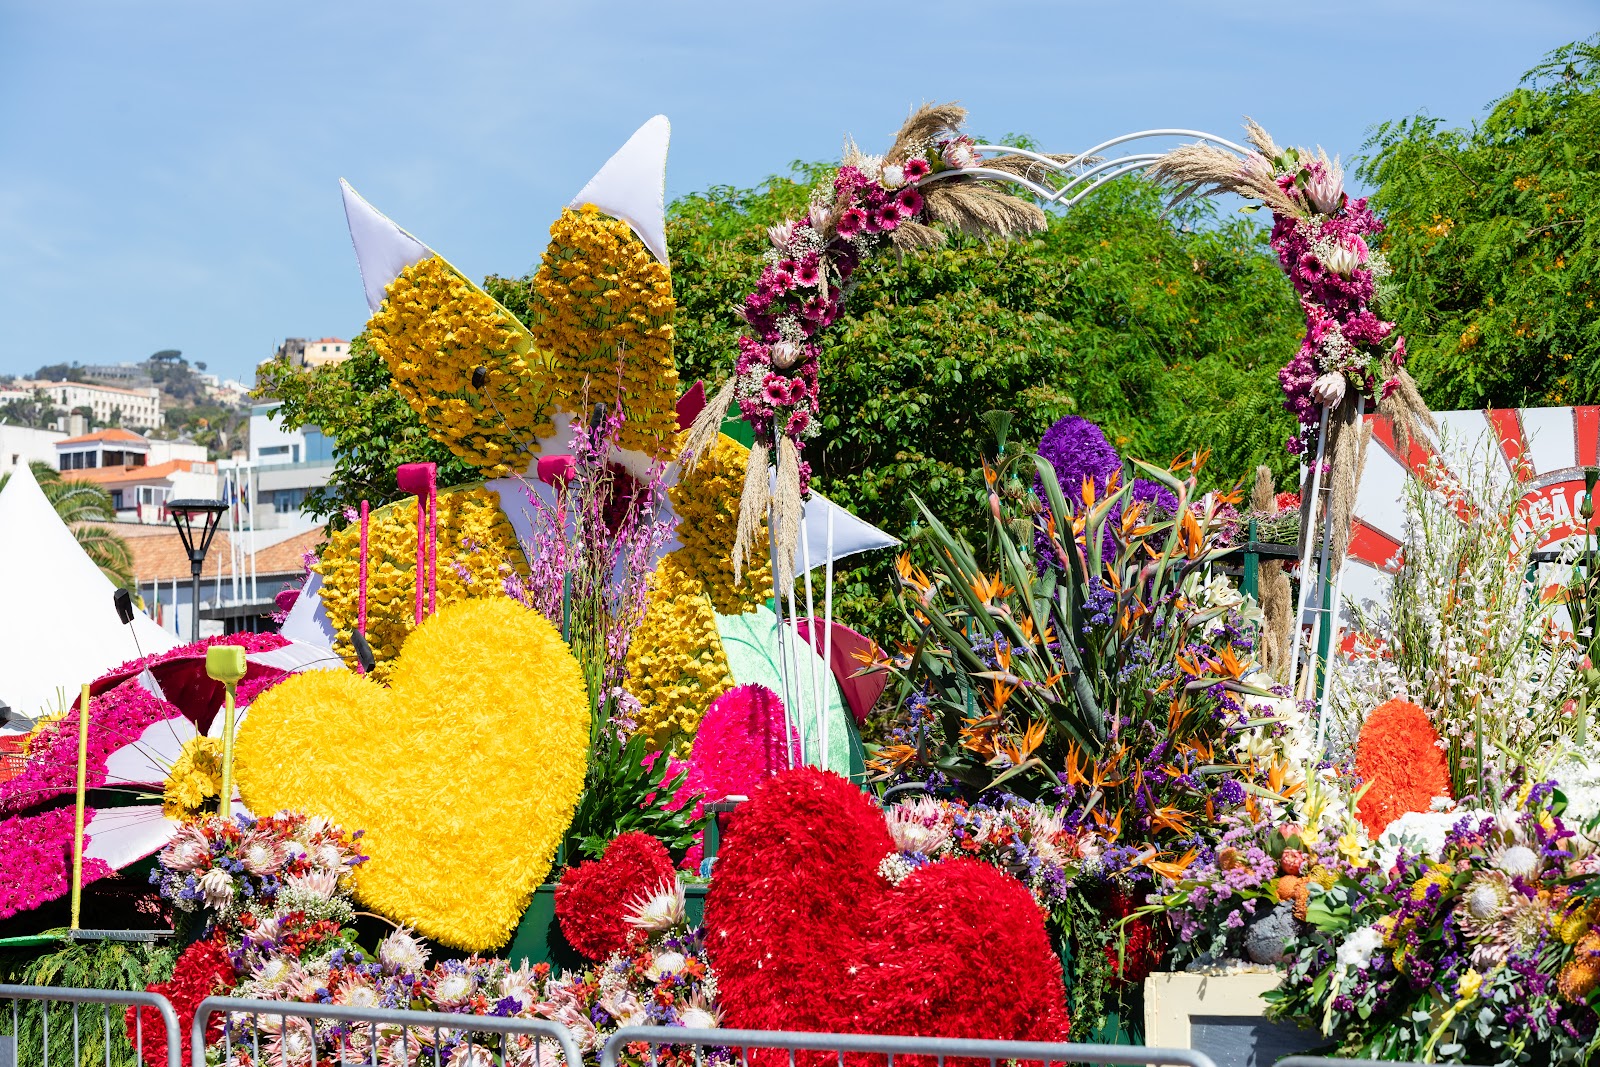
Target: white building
x=140, y=474
x=287, y=465
x=20, y=445
x=138, y=409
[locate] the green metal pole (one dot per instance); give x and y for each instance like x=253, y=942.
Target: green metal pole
x=1252, y=565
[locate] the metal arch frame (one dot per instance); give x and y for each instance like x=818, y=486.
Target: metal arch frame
x=1086, y=171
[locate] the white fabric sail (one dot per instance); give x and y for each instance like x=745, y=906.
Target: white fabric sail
x=632, y=186
x=60, y=628
x=383, y=249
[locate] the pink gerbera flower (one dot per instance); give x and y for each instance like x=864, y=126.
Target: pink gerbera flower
x=888, y=216
x=910, y=201
x=776, y=389
x=781, y=281
x=852, y=222
x=915, y=169
x=810, y=272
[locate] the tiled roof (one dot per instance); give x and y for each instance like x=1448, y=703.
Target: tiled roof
x=158, y=554
x=122, y=475
x=328, y=341
x=113, y=434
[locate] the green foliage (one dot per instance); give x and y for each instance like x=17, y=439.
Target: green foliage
x=1492, y=239
x=624, y=792
x=1168, y=330
x=102, y=1038
x=354, y=402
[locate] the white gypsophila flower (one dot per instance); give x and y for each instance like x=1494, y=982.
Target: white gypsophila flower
x=895, y=868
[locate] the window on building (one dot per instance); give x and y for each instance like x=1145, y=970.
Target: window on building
x=296, y=452
x=116, y=499
x=113, y=458
x=91, y=459
x=318, y=447
x=285, y=500
x=275, y=450
x=136, y=459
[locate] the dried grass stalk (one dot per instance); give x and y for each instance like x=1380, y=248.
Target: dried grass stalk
x=1274, y=591
x=981, y=211
x=915, y=237
x=1033, y=170
x=1346, y=449
x=788, y=511
x=752, y=508
x=1407, y=412
x=928, y=123
x=702, y=433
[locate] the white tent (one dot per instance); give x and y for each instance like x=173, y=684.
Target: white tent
x=59, y=626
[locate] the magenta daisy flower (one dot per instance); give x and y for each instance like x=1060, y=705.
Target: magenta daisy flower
x=910, y=201
x=888, y=216
x=852, y=222
x=915, y=169
x=809, y=272
x=781, y=281
x=776, y=389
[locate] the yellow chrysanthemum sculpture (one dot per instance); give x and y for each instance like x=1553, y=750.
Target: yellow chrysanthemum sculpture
x=601, y=300
x=434, y=330
x=477, y=546
x=707, y=503
x=464, y=772
x=676, y=664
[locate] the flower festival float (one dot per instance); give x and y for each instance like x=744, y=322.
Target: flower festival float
x=594, y=750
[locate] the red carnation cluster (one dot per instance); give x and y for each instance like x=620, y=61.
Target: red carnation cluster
x=203, y=970
x=805, y=934
x=593, y=898
x=1137, y=951
x=1399, y=758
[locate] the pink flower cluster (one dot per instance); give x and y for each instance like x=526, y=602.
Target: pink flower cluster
x=803, y=286
x=1327, y=258
x=36, y=860
x=116, y=718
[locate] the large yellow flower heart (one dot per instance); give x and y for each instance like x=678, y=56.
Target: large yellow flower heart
x=464, y=772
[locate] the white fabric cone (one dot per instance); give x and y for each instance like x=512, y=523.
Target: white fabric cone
x=383, y=249
x=632, y=186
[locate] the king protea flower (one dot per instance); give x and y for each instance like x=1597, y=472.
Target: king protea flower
x=1329, y=389
x=781, y=234
x=1346, y=257
x=659, y=911
x=1325, y=188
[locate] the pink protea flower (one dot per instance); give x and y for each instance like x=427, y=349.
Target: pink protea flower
x=852, y=222
x=780, y=234
x=910, y=201
x=915, y=169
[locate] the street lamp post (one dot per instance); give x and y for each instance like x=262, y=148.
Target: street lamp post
x=196, y=521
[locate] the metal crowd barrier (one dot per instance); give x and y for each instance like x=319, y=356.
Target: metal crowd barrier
x=358, y=1035
x=1328, y=1061
x=82, y=1045
x=880, y=1051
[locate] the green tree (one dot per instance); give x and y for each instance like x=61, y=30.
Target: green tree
x=1167, y=328
x=1492, y=239
x=81, y=505
x=355, y=403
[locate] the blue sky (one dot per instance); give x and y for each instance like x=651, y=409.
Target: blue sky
x=168, y=170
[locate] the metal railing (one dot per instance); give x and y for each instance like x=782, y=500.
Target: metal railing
x=79, y=1045
x=347, y=1035
x=734, y=1048
x=1328, y=1061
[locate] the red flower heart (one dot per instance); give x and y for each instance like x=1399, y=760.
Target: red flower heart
x=805, y=934
x=594, y=897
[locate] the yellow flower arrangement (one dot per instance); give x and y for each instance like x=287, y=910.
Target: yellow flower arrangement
x=194, y=783
x=600, y=297
x=707, y=503
x=476, y=546
x=433, y=330
x=676, y=664
x=464, y=772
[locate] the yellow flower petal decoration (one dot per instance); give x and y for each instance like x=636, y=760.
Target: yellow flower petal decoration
x=707, y=503
x=434, y=329
x=477, y=548
x=676, y=664
x=194, y=784
x=464, y=772
x=603, y=309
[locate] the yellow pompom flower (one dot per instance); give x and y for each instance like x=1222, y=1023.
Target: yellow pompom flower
x=434, y=329
x=194, y=784
x=477, y=548
x=603, y=308
x=707, y=503
x=676, y=664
